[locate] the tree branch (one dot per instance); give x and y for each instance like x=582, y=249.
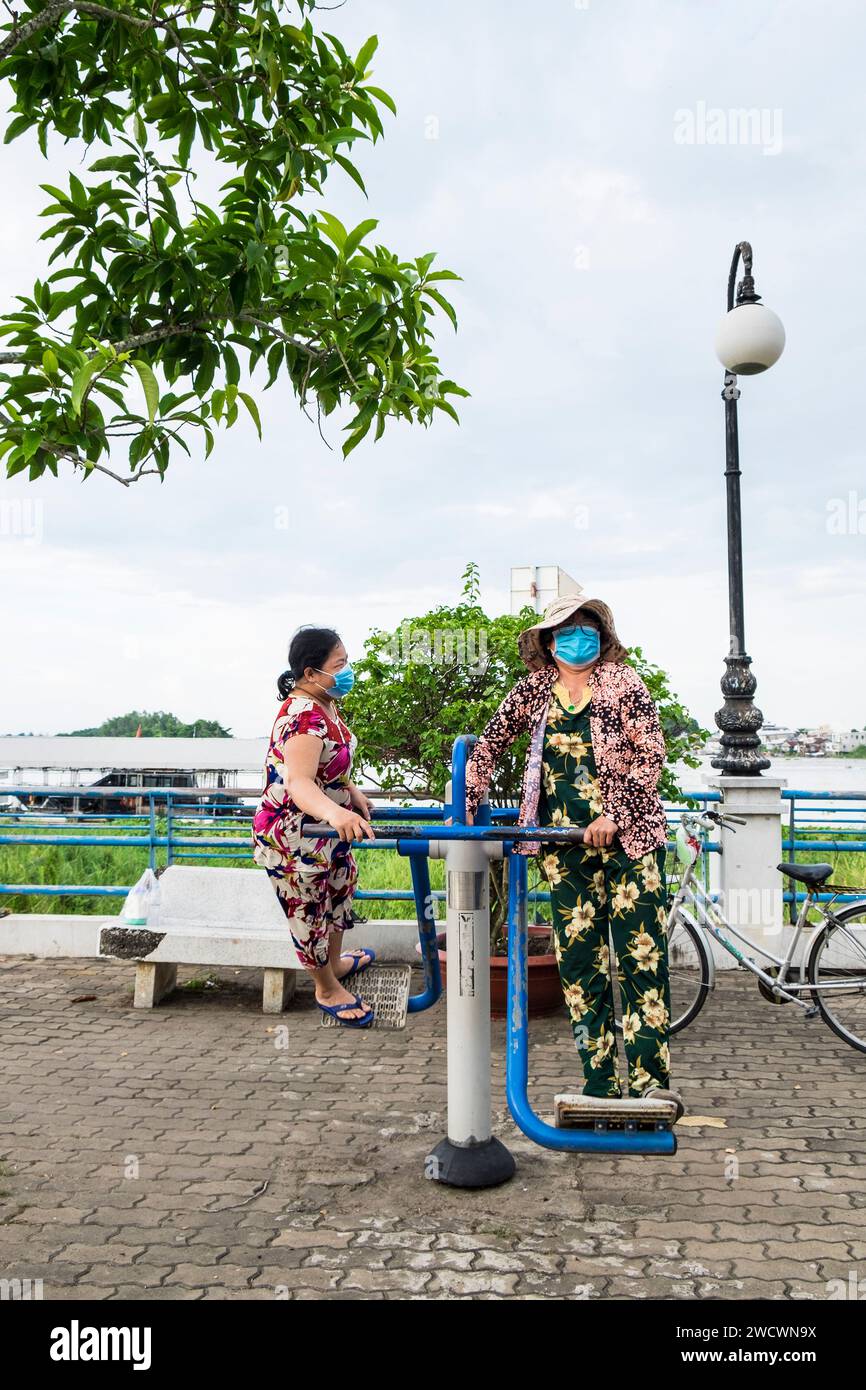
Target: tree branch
x=118, y=478
x=22, y=32
x=103, y=12
x=176, y=330
x=286, y=337
x=77, y=461
x=19, y=34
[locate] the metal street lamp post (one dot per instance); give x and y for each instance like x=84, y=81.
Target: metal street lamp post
x=750, y=339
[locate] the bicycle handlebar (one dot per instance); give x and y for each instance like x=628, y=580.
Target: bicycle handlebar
x=710, y=818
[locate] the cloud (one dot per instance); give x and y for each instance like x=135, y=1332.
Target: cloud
x=595, y=254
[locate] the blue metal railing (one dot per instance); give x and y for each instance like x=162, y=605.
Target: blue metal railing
x=141, y=830
x=178, y=825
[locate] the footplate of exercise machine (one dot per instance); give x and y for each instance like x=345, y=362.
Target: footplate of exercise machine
x=628, y=1116
x=386, y=989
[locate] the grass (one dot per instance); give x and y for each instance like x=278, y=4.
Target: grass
x=378, y=869
x=118, y=866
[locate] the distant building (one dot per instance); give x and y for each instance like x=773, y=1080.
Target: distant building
x=847, y=742
x=535, y=586
x=775, y=738
x=59, y=765
x=801, y=743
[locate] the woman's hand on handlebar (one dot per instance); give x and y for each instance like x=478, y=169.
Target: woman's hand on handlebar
x=600, y=832
x=360, y=802
x=349, y=825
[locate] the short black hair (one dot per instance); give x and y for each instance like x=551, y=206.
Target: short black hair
x=310, y=646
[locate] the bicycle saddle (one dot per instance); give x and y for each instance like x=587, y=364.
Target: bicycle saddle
x=807, y=873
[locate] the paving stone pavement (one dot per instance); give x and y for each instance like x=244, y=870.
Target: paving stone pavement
x=203, y=1150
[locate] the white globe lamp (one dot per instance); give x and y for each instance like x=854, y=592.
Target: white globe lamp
x=749, y=339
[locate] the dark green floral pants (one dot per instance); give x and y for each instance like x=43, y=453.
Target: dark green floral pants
x=594, y=891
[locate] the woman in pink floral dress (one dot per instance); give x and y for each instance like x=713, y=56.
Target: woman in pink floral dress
x=307, y=774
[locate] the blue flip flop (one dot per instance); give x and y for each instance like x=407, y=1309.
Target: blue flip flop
x=358, y=969
x=335, y=1009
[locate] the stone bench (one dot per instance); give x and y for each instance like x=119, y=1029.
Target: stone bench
x=209, y=916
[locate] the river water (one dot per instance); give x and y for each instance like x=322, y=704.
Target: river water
x=842, y=775
x=801, y=774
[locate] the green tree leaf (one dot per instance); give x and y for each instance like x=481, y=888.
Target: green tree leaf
x=148, y=385
x=356, y=236
x=333, y=228
x=253, y=409
x=385, y=99
x=365, y=53
x=82, y=380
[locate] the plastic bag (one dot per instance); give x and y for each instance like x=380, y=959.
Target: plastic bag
x=142, y=905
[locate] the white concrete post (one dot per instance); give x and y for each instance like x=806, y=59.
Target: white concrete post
x=750, y=884
x=469, y=1156
x=468, y=992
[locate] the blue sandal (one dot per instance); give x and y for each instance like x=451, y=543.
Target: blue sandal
x=335, y=1009
x=353, y=955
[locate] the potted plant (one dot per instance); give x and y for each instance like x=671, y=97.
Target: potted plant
x=543, y=987
x=443, y=674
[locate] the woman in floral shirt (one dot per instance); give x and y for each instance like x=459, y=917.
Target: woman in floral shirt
x=307, y=774
x=596, y=751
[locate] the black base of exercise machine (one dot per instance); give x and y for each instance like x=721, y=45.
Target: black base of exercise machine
x=487, y=1164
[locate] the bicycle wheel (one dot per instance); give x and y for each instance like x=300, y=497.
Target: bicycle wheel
x=689, y=971
x=837, y=969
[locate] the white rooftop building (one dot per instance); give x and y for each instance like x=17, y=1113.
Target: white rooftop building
x=132, y=762
x=847, y=741
x=536, y=586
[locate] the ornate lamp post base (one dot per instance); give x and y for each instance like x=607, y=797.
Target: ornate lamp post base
x=740, y=719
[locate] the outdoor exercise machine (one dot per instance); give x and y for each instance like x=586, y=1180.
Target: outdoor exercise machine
x=470, y=1155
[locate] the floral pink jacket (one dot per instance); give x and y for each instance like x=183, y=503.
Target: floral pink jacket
x=627, y=743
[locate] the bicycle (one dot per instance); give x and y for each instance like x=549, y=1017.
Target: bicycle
x=830, y=978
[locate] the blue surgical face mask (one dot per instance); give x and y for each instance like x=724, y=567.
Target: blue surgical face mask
x=343, y=681
x=577, y=646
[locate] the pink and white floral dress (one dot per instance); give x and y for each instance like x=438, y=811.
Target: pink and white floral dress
x=314, y=877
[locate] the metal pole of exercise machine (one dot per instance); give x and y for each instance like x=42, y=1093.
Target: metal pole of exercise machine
x=469, y=1156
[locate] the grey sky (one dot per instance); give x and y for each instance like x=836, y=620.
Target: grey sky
x=594, y=249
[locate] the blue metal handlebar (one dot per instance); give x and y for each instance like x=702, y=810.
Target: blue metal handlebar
x=570, y=835
x=460, y=753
